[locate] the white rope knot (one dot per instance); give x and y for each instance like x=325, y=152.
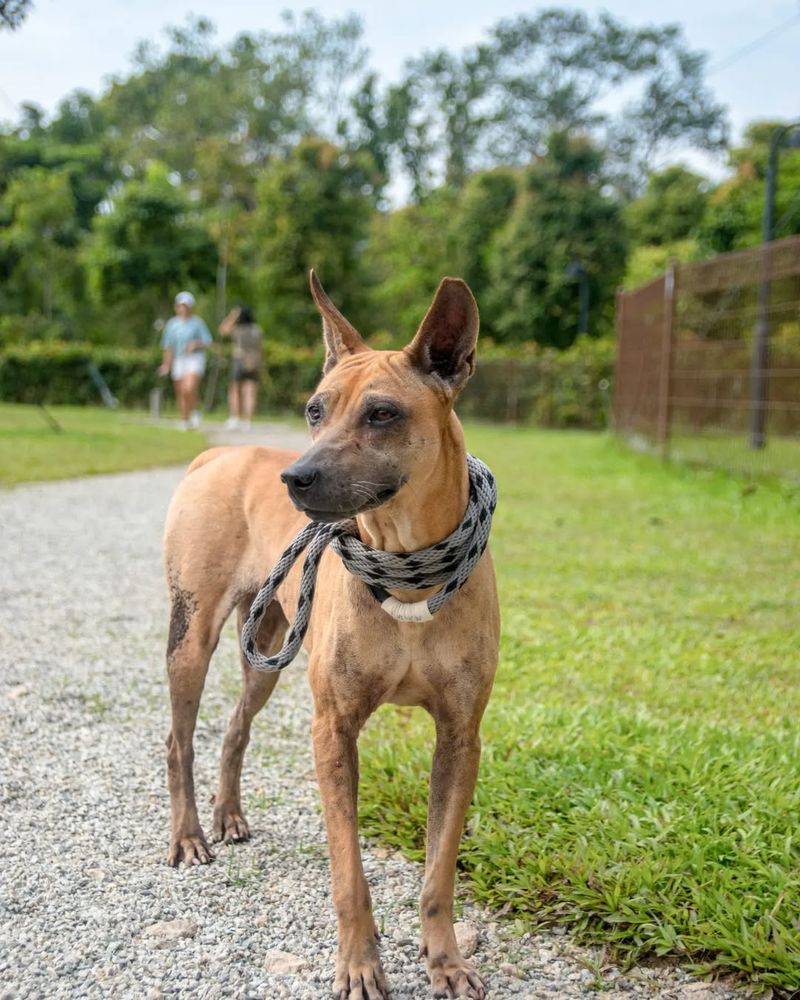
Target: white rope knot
x=403, y=612
x=450, y=562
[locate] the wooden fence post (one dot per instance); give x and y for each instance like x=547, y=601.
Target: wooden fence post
x=665, y=374
x=619, y=318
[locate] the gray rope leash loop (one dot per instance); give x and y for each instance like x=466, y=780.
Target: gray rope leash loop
x=314, y=536
x=449, y=561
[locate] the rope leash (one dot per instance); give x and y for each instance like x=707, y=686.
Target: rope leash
x=450, y=562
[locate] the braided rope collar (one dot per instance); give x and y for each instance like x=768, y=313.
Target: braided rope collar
x=450, y=562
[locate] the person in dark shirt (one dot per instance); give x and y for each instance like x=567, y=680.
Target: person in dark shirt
x=247, y=337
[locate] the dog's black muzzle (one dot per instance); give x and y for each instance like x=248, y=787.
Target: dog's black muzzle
x=326, y=495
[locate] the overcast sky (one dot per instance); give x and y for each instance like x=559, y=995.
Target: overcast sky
x=62, y=46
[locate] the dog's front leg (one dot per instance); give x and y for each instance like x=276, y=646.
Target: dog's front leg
x=359, y=974
x=453, y=777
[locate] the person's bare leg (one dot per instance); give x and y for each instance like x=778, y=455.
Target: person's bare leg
x=182, y=398
x=249, y=394
x=233, y=401
x=192, y=386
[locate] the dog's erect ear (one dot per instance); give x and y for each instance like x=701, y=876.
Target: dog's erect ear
x=341, y=338
x=445, y=342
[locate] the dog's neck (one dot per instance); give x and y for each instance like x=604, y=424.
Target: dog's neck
x=427, y=509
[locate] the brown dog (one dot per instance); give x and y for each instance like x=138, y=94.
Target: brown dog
x=389, y=451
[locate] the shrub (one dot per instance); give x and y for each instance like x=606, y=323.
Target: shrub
x=546, y=387
x=22, y=329
x=58, y=372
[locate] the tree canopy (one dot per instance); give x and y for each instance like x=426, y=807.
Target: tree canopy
x=235, y=167
x=13, y=13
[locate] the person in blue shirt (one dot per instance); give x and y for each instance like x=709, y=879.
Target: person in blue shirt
x=184, y=342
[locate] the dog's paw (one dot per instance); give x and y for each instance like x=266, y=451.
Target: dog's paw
x=452, y=976
x=361, y=981
x=191, y=850
x=229, y=826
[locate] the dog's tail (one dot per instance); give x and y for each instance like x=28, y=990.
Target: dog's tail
x=207, y=456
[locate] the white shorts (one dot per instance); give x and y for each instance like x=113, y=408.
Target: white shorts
x=188, y=364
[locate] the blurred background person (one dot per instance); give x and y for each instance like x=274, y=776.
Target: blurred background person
x=185, y=340
x=247, y=337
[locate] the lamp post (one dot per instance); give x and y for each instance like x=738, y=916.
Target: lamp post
x=758, y=377
x=578, y=272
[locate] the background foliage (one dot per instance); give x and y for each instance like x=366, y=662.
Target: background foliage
x=233, y=168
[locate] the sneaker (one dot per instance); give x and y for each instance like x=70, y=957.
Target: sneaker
x=232, y=423
x=245, y=425
x=183, y=425
x=194, y=420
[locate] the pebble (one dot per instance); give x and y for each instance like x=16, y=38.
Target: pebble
x=167, y=931
x=466, y=938
x=85, y=810
x=284, y=964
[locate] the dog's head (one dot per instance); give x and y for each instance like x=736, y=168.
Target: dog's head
x=378, y=418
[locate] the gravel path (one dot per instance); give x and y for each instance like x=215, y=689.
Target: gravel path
x=84, y=889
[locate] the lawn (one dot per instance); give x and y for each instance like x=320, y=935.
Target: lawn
x=639, y=778
x=779, y=458
x=90, y=441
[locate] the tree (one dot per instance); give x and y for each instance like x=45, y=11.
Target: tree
x=734, y=218
x=497, y=102
x=563, y=215
x=144, y=248
x=13, y=13
x=72, y=141
x=483, y=210
x=38, y=233
x=260, y=94
x=447, y=232
x=313, y=210
x=670, y=209
x=676, y=108
x=409, y=250
x=446, y=107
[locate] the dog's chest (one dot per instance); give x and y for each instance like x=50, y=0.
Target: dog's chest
x=371, y=659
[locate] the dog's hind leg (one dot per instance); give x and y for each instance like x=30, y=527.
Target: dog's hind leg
x=229, y=822
x=193, y=635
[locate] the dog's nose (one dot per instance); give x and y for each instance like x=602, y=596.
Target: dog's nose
x=299, y=478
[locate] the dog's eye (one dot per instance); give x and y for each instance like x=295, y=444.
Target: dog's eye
x=314, y=413
x=381, y=415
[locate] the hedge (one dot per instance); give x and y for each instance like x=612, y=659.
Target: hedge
x=58, y=372
x=549, y=388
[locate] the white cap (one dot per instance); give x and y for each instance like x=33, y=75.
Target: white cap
x=184, y=299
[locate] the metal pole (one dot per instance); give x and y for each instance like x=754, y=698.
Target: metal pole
x=577, y=272
x=583, y=322
x=760, y=358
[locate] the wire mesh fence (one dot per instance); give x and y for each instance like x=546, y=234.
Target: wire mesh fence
x=708, y=362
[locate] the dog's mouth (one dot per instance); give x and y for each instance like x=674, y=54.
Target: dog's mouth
x=344, y=513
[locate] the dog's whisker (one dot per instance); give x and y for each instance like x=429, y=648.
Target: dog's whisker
x=362, y=489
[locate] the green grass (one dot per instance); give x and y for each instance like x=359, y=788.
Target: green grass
x=640, y=771
x=779, y=458
x=91, y=441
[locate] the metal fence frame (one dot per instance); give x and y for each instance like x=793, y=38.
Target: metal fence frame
x=711, y=350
